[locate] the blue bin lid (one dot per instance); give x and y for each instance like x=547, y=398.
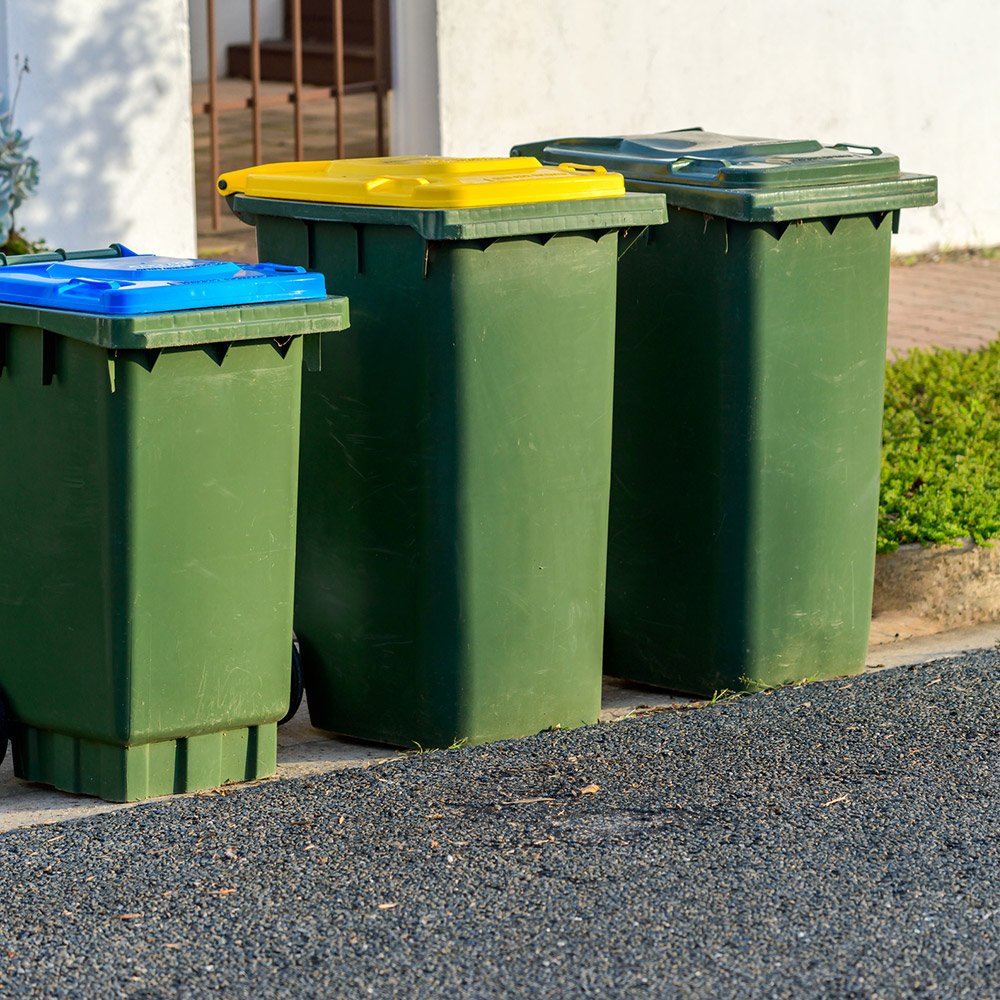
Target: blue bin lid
x=135, y=284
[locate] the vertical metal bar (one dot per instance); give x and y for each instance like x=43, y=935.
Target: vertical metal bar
x=297, y=76
x=338, y=61
x=213, y=117
x=255, y=78
x=379, y=78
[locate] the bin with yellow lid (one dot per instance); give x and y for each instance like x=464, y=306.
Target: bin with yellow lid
x=456, y=443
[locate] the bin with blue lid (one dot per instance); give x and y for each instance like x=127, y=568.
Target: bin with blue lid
x=749, y=366
x=148, y=476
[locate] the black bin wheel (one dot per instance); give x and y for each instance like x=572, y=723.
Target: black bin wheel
x=297, y=685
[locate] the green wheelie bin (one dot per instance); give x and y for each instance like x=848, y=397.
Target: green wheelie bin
x=749, y=371
x=148, y=475
x=456, y=445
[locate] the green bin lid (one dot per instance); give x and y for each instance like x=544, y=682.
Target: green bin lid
x=749, y=179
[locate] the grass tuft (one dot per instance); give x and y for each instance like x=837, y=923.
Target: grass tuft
x=941, y=448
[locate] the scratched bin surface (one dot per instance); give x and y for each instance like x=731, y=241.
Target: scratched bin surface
x=749, y=368
x=455, y=463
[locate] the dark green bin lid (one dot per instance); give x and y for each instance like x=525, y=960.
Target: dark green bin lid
x=529, y=219
x=749, y=179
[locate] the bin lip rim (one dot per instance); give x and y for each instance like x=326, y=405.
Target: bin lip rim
x=801, y=202
x=634, y=208
x=187, y=327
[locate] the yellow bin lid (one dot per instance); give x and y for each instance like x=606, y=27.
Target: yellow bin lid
x=424, y=181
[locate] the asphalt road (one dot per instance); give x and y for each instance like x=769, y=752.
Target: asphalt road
x=835, y=840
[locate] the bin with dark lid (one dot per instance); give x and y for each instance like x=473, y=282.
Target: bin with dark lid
x=749, y=369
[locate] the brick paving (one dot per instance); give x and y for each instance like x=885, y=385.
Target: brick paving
x=951, y=302
x=944, y=303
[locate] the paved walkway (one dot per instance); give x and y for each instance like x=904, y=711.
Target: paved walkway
x=946, y=303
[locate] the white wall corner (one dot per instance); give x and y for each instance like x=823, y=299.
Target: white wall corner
x=415, y=112
x=107, y=107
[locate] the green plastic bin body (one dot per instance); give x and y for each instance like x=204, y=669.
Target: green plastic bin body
x=749, y=373
x=148, y=488
x=455, y=464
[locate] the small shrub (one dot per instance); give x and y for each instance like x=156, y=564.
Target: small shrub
x=941, y=448
x=18, y=174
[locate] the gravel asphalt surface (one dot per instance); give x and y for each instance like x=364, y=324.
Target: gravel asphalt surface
x=840, y=839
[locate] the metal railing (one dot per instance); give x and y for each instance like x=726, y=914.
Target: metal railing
x=298, y=95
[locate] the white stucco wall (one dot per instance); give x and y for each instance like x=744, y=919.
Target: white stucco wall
x=415, y=112
x=107, y=105
x=232, y=26
x=919, y=79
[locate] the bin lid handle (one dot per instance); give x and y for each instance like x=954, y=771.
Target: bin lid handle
x=97, y=284
x=680, y=165
x=848, y=147
x=584, y=168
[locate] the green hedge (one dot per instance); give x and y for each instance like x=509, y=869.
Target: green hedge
x=941, y=448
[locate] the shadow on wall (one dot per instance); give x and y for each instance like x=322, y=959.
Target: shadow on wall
x=107, y=106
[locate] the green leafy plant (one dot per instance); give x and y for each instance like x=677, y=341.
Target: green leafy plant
x=941, y=448
x=18, y=173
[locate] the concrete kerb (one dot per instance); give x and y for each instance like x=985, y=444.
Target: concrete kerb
x=935, y=601
x=304, y=751
x=924, y=590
